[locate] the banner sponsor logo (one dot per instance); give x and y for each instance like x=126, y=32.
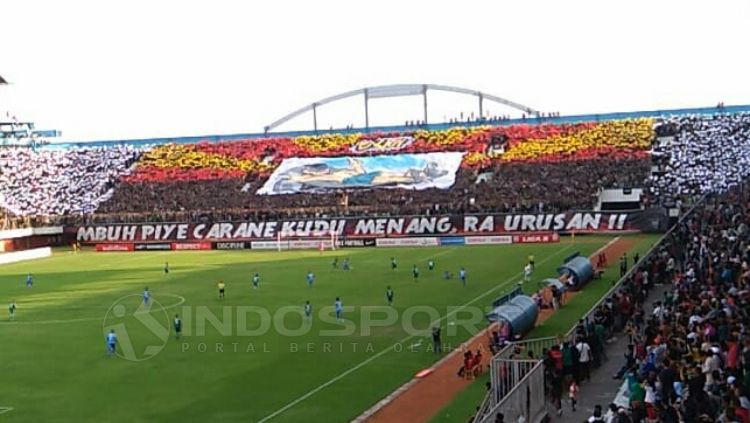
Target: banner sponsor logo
x=354, y=243
x=381, y=144
x=152, y=247
x=452, y=240
x=536, y=238
x=407, y=242
x=321, y=174
x=191, y=246
x=114, y=247
x=231, y=245
x=489, y=240
x=269, y=245
x=304, y=244
x=354, y=228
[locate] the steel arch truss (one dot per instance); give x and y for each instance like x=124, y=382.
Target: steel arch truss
x=398, y=90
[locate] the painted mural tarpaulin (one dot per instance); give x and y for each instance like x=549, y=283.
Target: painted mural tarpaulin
x=321, y=174
x=373, y=227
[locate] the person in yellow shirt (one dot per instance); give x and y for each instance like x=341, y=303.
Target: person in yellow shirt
x=221, y=289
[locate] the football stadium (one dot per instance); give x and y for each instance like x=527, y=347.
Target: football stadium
x=521, y=266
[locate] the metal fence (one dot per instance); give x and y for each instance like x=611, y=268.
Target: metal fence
x=520, y=350
x=517, y=390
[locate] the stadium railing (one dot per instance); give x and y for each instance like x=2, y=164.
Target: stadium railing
x=518, y=387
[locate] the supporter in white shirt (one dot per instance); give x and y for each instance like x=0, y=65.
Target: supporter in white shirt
x=59, y=182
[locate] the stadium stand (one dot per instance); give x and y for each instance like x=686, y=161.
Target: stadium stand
x=689, y=358
x=688, y=353
x=514, y=168
x=53, y=182
x=701, y=154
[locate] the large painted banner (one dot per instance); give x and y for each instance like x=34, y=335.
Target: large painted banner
x=368, y=227
x=319, y=174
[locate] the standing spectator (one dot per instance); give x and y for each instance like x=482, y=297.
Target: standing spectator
x=584, y=359
x=436, y=344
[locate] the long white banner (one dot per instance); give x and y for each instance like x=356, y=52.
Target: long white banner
x=319, y=174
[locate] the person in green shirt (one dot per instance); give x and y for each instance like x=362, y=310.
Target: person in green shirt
x=637, y=395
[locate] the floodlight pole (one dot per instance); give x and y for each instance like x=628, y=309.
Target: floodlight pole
x=424, y=95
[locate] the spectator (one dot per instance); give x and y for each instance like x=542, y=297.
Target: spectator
x=55, y=182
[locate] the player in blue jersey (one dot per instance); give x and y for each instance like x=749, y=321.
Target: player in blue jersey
x=345, y=265
x=462, y=276
x=339, y=309
x=310, y=279
x=308, y=310
x=146, y=296
x=29, y=280
x=256, y=280
x=111, y=342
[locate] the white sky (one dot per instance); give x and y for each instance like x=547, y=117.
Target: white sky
x=109, y=70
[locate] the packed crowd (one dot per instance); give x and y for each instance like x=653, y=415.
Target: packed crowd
x=701, y=154
x=688, y=358
x=515, y=168
x=54, y=182
x=512, y=187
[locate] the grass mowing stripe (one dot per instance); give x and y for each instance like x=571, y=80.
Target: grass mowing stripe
x=389, y=349
x=181, y=301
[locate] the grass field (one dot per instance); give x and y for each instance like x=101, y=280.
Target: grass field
x=54, y=366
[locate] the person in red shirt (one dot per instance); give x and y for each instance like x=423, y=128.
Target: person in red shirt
x=556, y=355
x=732, y=352
x=465, y=369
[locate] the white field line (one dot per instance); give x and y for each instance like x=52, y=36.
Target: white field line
x=88, y=319
x=607, y=245
x=387, y=350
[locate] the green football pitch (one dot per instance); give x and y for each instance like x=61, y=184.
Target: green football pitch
x=251, y=357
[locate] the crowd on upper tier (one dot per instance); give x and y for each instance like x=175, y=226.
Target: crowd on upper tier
x=54, y=182
x=519, y=168
x=516, y=168
x=701, y=154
